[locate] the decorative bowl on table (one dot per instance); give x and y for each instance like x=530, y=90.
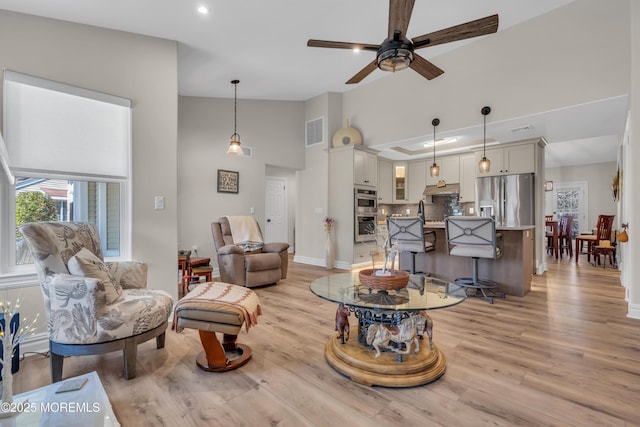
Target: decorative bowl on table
x=396, y=279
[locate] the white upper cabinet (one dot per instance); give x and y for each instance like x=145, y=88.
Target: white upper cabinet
x=509, y=160
x=449, y=170
x=385, y=181
x=468, y=173
x=416, y=180
x=365, y=168
x=400, y=183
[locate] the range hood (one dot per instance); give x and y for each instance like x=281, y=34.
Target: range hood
x=441, y=189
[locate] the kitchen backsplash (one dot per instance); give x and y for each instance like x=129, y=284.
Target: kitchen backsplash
x=441, y=207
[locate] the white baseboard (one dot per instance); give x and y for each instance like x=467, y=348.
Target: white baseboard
x=634, y=311
x=38, y=343
x=542, y=267
x=308, y=260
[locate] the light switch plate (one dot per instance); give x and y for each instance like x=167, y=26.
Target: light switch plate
x=159, y=202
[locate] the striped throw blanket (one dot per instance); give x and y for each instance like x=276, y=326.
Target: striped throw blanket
x=245, y=232
x=220, y=293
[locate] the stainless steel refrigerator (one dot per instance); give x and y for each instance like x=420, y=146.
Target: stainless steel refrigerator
x=509, y=198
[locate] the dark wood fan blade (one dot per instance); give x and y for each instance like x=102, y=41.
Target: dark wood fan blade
x=425, y=68
x=399, y=16
x=343, y=45
x=363, y=73
x=470, y=29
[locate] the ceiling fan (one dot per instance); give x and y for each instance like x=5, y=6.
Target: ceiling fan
x=397, y=52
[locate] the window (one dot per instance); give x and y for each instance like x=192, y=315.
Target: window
x=67, y=200
x=70, y=147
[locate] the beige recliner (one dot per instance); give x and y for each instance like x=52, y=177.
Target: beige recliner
x=263, y=266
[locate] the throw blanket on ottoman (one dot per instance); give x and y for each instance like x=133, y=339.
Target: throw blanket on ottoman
x=245, y=232
x=223, y=294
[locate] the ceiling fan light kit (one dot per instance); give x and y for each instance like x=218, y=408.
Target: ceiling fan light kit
x=397, y=51
x=434, y=170
x=485, y=164
x=234, y=145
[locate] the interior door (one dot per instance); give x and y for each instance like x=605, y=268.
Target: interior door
x=275, y=210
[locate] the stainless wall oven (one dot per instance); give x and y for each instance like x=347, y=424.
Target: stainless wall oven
x=366, y=214
x=365, y=227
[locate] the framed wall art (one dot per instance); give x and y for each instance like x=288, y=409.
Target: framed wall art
x=228, y=181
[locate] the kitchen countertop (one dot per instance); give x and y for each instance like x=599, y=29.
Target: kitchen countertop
x=440, y=224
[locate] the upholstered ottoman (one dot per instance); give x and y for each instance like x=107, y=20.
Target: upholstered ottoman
x=219, y=307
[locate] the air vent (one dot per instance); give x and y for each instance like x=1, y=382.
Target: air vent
x=522, y=128
x=314, y=132
x=246, y=151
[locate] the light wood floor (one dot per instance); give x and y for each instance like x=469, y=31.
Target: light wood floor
x=565, y=354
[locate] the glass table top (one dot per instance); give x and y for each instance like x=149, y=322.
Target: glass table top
x=421, y=293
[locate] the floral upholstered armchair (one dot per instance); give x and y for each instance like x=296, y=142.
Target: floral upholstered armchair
x=93, y=307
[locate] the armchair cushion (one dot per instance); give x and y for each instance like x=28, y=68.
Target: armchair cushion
x=85, y=263
x=129, y=274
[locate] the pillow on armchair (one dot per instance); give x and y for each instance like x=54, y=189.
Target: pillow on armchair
x=85, y=263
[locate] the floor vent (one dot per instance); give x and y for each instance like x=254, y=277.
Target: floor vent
x=314, y=132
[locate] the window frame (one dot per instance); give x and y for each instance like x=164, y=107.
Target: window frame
x=17, y=276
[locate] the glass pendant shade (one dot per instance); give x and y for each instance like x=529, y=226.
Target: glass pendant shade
x=234, y=146
x=485, y=165
x=434, y=170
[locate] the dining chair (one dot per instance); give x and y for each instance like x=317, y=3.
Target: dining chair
x=564, y=235
x=602, y=232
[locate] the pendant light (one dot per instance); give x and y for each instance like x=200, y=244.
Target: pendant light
x=434, y=170
x=485, y=164
x=234, y=146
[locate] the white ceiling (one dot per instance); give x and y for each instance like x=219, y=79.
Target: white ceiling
x=263, y=44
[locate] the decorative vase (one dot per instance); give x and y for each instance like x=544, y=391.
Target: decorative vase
x=329, y=254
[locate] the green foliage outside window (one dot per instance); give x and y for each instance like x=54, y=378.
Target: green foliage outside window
x=34, y=206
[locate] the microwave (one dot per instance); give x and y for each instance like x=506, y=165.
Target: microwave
x=365, y=201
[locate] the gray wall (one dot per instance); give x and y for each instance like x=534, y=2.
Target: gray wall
x=275, y=132
x=598, y=178
x=140, y=68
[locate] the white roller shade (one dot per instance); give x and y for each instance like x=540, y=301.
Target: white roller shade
x=50, y=127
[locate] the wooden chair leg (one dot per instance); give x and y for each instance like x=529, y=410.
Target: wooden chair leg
x=160, y=340
x=130, y=354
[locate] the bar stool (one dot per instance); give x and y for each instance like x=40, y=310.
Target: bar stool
x=474, y=237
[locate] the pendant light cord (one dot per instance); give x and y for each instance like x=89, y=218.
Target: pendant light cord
x=235, y=108
x=485, y=111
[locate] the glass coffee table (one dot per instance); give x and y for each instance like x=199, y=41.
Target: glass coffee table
x=373, y=357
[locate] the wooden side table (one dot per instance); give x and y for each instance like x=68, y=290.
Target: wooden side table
x=187, y=264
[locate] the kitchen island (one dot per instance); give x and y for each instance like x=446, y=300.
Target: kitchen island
x=512, y=272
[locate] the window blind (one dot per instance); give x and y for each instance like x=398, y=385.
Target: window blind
x=52, y=128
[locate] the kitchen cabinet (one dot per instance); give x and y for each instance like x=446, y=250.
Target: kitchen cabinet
x=468, y=173
x=365, y=168
x=513, y=159
x=449, y=170
x=400, y=182
x=415, y=181
x=385, y=181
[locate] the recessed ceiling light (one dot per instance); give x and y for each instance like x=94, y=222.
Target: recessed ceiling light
x=442, y=141
x=203, y=10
